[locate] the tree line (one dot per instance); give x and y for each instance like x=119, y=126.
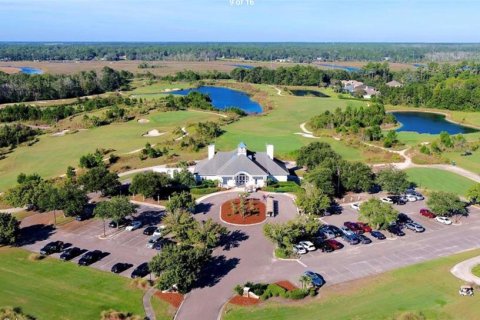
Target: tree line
x=22, y=87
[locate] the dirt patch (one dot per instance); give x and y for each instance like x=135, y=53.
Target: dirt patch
x=173, y=298
x=255, y=212
x=243, y=301
x=287, y=285
x=10, y=70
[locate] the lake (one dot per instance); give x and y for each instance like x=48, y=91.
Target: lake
x=308, y=93
x=427, y=122
x=243, y=66
x=223, y=98
x=336, y=66
x=30, y=70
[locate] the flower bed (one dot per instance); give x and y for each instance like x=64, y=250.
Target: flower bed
x=257, y=215
x=287, y=285
x=243, y=301
x=173, y=298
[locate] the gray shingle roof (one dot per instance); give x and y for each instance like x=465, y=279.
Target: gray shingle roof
x=230, y=163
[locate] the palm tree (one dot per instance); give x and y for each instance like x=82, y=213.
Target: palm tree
x=304, y=280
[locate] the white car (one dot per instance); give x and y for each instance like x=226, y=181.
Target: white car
x=298, y=249
x=134, y=225
x=419, y=196
x=153, y=241
x=411, y=198
x=443, y=220
x=309, y=246
x=387, y=200
x=355, y=206
x=158, y=232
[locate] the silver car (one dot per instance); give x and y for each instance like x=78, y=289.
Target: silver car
x=153, y=241
x=414, y=227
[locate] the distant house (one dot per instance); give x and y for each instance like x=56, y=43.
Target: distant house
x=241, y=167
x=394, y=84
x=355, y=87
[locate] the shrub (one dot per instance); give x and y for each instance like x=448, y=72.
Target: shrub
x=117, y=315
x=283, y=253
x=256, y=288
x=273, y=290
x=238, y=289
x=297, y=294
x=202, y=191
x=408, y=315
x=312, y=292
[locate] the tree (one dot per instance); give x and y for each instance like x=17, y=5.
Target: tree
x=391, y=139
x=314, y=154
x=100, y=179
x=356, y=176
x=184, y=179
x=207, y=234
x=446, y=204
x=26, y=192
x=179, y=224
x=71, y=174
x=73, y=199
x=102, y=210
x=313, y=201
x=323, y=180
x=392, y=180
x=304, y=280
x=179, y=265
x=377, y=214
x=9, y=228
x=50, y=200
x=473, y=193
x=116, y=209
x=181, y=201
x=149, y=184
x=91, y=160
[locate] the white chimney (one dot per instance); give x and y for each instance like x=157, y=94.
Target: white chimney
x=270, y=151
x=211, y=151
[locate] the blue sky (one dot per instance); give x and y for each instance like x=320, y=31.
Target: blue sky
x=219, y=20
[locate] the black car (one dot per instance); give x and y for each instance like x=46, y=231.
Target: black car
x=148, y=231
x=90, y=257
x=140, y=271
x=378, y=235
x=396, y=230
x=364, y=239
x=70, y=253
x=398, y=200
x=403, y=218
x=323, y=246
x=52, y=247
x=120, y=267
x=121, y=222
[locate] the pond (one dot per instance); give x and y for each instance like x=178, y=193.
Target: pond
x=243, y=66
x=308, y=93
x=223, y=98
x=428, y=122
x=30, y=70
x=336, y=66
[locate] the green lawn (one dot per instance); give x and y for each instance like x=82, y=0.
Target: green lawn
x=439, y=180
x=471, y=163
x=428, y=287
x=52, y=289
x=52, y=155
x=476, y=270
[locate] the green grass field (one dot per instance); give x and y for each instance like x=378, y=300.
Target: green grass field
x=476, y=270
x=52, y=289
x=428, y=288
x=52, y=155
x=471, y=163
x=439, y=180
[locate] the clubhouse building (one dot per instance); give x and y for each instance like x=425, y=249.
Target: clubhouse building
x=241, y=167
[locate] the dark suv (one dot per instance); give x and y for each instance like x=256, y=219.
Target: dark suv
x=140, y=271
x=395, y=229
x=90, y=257
x=52, y=247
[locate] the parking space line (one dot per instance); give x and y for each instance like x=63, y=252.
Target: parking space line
x=301, y=263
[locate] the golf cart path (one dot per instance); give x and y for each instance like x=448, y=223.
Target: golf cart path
x=279, y=91
x=463, y=270
x=147, y=305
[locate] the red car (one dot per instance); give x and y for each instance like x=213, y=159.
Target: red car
x=365, y=227
x=334, y=244
x=354, y=227
x=427, y=213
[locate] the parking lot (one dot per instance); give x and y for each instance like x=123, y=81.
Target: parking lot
x=119, y=245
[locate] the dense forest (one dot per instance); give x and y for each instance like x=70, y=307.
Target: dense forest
x=296, y=52
x=22, y=87
x=13, y=135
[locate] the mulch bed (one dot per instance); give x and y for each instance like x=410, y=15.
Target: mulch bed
x=228, y=215
x=173, y=298
x=243, y=301
x=287, y=285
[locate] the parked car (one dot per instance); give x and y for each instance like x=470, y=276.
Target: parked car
x=353, y=226
x=83, y=216
x=308, y=245
x=298, y=249
x=324, y=246
x=387, y=200
x=427, y=213
x=140, y=271
x=347, y=232
x=403, y=218
x=70, y=253
x=136, y=224
x=334, y=244
x=158, y=231
x=120, y=267
x=398, y=200
x=394, y=229
x=355, y=206
x=148, y=231
x=411, y=198
x=443, y=220
x=419, y=196
x=326, y=234
x=90, y=257
x=364, y=239
x=316, y=279
x=351, y=239
x=365, y=227
x=153, y=241
x=121, y=222
x=336, y=230
x=415, y=227
x=52, y=247
x=378, y=235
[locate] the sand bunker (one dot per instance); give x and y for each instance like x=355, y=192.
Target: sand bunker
x=143, y=121
x=61, y=133
x=153, y=133
x=170, y=90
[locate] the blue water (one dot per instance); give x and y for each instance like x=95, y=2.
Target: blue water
x=427, y=122
x=418, y=65
x=223, y=98
x=335, y=66
x=243, y=66
x=29, y=70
